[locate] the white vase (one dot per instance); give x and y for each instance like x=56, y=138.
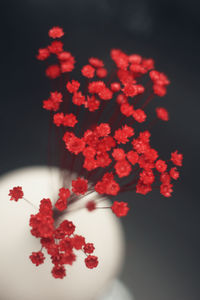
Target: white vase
x=19, y=278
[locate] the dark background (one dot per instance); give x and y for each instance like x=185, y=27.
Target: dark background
x=162, y=258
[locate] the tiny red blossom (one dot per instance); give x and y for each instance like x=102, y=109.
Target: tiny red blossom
x=16, y=193
x=133, y=157
x=89, y=248
x=70, y=120
x=56, y=32
x=37, y=258
x=92, y=103
x=67, y=227
x=75, y=145
x=142, y=188
x=61, y=204
x=121, y=99
x=162, y=113
x=103, y=129
x=161, y=166
x=58, y=119
x=64, y=193
x=79, y=186
x=78, y=98
x=73, y=86
x=177, y=158
x=101, y=72
x=118, y=154
x=46, y=207
x=135, y=58
x=120, y=209
x=174, y=173
x=53, y=71
x=66, y=66
x=96, y=63
x=91, y=261
x=105, y=94
x=159, y=90
x=43, y=53
x=56, y=47
x=166, y=190
x=139, y=115
x=88, y=71
x=91, y=205
x=115, y=87
x=126, y=109
x=78, y=242
x=95, y=87
x=58, y=271
x=123, y=168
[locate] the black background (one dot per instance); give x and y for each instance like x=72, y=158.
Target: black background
x=162, y=257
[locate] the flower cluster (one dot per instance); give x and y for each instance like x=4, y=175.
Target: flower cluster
x=108, y=138
x=60, y=242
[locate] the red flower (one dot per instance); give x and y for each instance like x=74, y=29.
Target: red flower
x=159, y=90
x=177, y=158
x=53, y=103
x=64, y=193
x=120, y=209
x=142, y=188
x=91, y=205
x=130, y=90
x=79, y=186
x=61, y=204
x=166, y=190
x=56, y=47
x=118, y=154
x=95, y=87
x=96, y=63
x=115, y=87
x=66, y=244
x=133, y=157
x=105, y=94
x=58, y=119
x=73, y=86
x=139, y=115
x=53, y=71
x=120, y=58
x=70, y=120
x=78, y=98
x=16, y=193
x=78, y=242
x=103, y=129
x=68, y=258
x=88, y=71
x=147, y=176
x=161, y=166
x=126, y=109
x=75, y=145
x=174, y=173
x=88, y=248
x=67, y=227
x=43, y=53
x=112, y=188
x=162, y=113
x=92, y=103
x=91, y=261
x=46, y=207
x=37, y=258
x=123, y=168
x=101, y=72
x=56, y=32
x=58, y=271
